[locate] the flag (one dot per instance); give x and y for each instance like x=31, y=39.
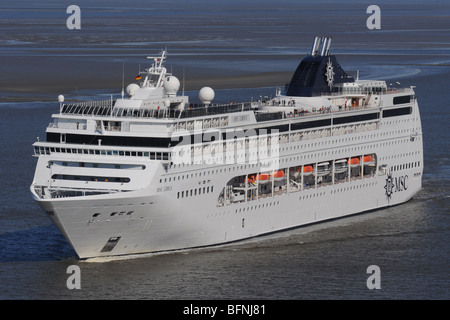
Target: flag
x=139, y=77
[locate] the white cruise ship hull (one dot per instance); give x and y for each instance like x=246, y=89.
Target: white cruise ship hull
x=173, y=228
x=160, y=221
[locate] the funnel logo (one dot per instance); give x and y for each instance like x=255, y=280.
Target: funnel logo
x=329, y=74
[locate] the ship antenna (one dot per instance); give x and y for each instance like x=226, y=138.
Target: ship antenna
x=183, y=80
x=123, y=77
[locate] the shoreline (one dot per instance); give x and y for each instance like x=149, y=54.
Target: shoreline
x=48, y=92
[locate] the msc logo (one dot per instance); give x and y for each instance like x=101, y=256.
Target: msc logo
x=396, y=184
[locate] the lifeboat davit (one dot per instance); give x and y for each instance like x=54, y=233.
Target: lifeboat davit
x=323, y=169
x=296, y=173
x=340, y=166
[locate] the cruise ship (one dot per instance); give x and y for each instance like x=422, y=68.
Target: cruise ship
x=150, y=172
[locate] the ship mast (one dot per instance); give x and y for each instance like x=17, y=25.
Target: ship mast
x=156, y=71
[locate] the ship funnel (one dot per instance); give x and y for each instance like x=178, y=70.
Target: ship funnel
x=327, y=46
x=315, y=47
x=321, y=46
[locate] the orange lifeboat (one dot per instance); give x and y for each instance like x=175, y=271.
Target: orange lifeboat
x=278, y=175
x=307, y=170
x=264, y=177
x=353, y=162
x=369, y=160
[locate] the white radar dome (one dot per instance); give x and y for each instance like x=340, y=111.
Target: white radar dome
x=171, y=85
x=206, y=94
x=61, y=98
x=132, y=88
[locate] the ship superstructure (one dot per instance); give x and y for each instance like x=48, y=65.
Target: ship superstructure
x=153, y=172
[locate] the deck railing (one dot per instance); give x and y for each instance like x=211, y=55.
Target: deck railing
x=105, y=108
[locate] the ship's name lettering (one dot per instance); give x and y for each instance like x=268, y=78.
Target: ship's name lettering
x=163, y=189
x=240, y=118
x=400, y=183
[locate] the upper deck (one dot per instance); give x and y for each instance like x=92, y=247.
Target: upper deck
x=273, y=109
x=320, y=93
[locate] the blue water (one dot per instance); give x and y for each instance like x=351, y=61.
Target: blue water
x=327, y=261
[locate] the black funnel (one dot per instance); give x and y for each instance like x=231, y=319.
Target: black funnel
x=318, y=73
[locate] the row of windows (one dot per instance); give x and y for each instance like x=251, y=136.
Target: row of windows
x=96, y=165
x=400, y=155
x=145, y=154
x=354, y=187
x=115, y=213
x=194, y=192
x=90, y=178
x=405, y=166
x=258, y=206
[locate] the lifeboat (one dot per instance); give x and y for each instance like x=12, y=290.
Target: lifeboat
x=353, y=162
x=264, y=178
x=307, y=170
x=278, y=175
x=368, y=160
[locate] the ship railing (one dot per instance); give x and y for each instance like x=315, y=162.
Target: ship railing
x=59, y=192
x=200, y=110
x=303, y=112
x=191, y=111
x=105, y=108
x=366, y=91
x=94, y=108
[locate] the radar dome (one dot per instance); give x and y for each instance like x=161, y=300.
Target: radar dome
x=61, y=98
x=206, y=94
x=171, y=85
x=132, y=88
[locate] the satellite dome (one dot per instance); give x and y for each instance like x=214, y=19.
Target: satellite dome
x=132, y=88
x=61, y=98
x=206, y=95
x=171, y=85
